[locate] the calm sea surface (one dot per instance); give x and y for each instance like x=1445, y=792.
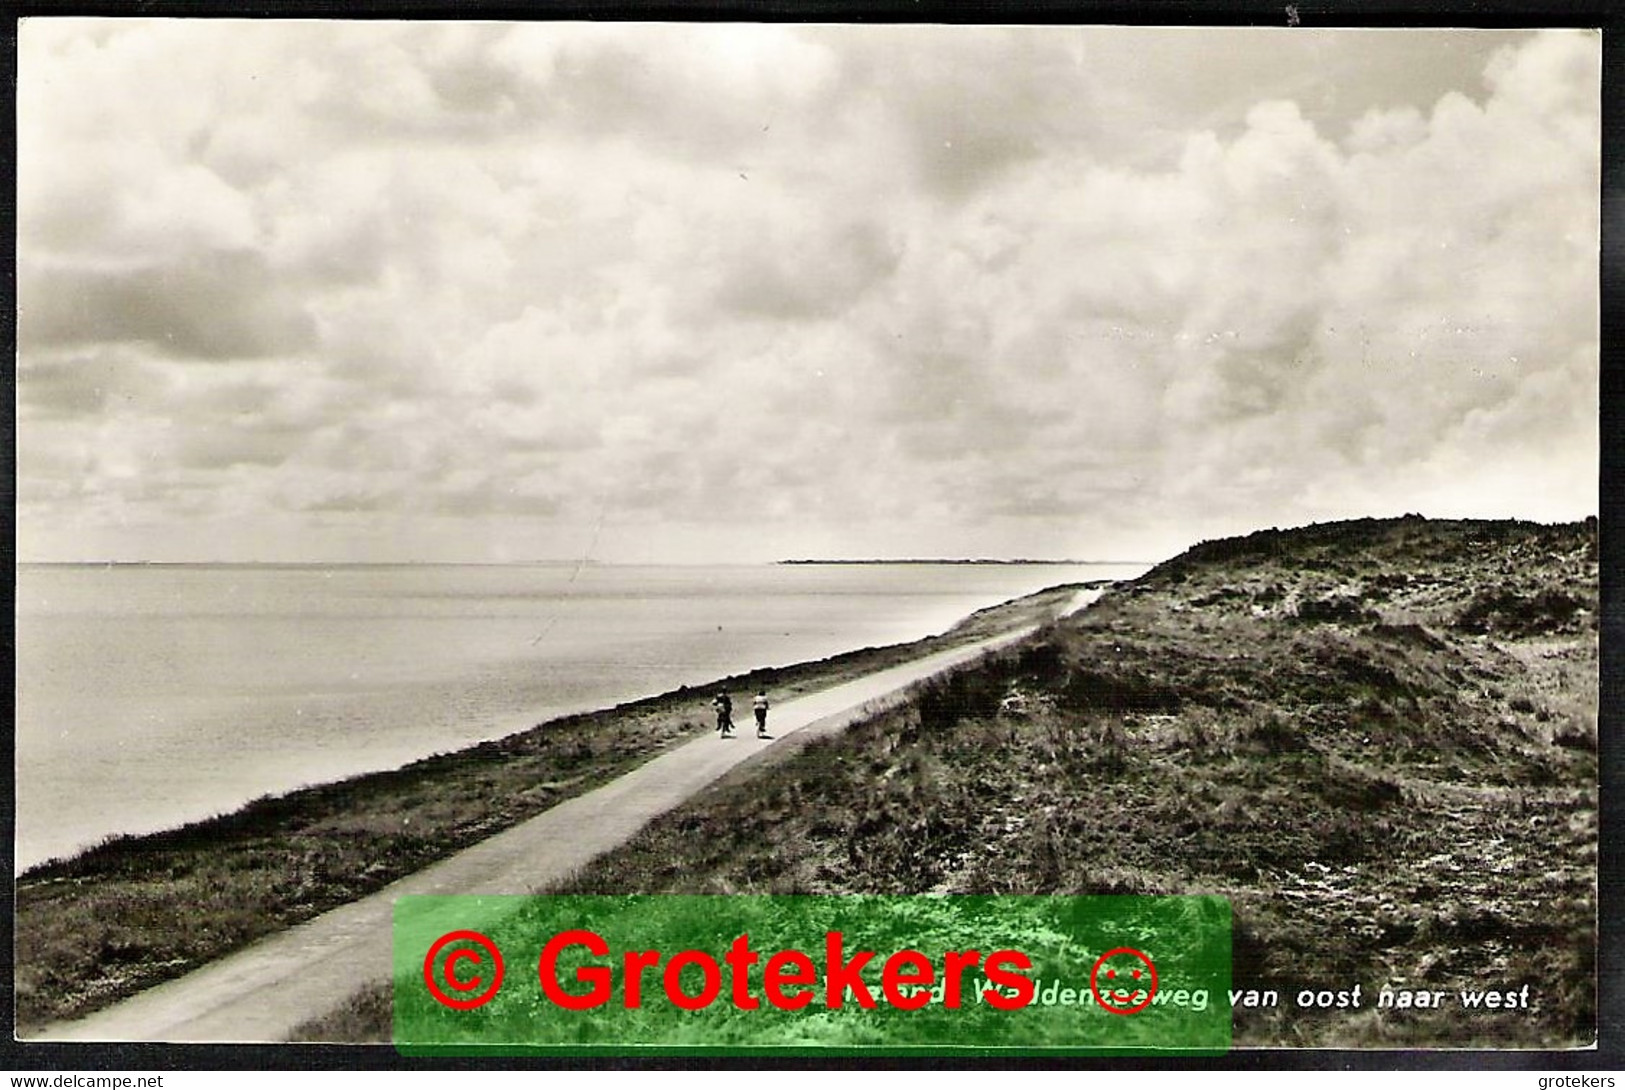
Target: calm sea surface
x=151, y=696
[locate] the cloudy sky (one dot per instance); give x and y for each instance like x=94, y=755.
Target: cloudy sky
x=391, y=291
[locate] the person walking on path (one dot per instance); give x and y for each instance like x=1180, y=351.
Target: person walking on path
x=725, y=713
x=759, y=706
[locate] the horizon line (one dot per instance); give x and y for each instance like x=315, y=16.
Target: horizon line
x=560, y=562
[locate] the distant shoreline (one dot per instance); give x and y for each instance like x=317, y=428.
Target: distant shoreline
x=1017, y=562
x=568, y=563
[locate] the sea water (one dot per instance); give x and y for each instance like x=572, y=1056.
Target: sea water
x=152, y=695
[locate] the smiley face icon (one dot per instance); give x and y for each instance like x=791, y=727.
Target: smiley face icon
x=1124, y=980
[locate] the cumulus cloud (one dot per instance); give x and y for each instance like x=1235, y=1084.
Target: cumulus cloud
x=209, y=306
x=479, y=291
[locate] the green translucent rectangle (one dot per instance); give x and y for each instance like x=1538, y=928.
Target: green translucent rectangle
x=1047, y=1007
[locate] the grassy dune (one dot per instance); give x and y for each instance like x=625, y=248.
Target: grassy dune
x=136, y=911
x=1378, y=738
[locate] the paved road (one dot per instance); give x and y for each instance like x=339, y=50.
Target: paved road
x=263, y=991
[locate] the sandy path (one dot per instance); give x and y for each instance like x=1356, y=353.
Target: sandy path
x=263, y=991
